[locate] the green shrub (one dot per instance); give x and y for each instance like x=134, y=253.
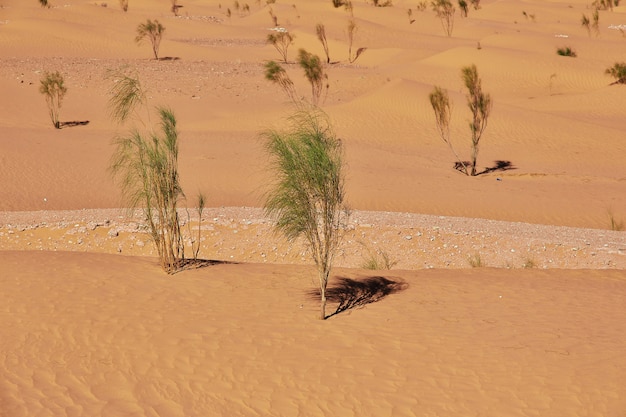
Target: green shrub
x=445, y=12
x=617, y=71
x=566, y=51
x=281, y=40
x=307, y=196
x=153, y=30
x=52, y=86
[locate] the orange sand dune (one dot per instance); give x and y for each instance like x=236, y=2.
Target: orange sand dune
x=243, y=340
x=100, y=335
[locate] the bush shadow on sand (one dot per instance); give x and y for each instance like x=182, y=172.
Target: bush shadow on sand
x=349, y=293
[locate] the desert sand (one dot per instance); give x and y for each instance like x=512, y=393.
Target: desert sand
x=89, y=325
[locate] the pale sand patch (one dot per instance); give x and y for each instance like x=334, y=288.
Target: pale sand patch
x=97, y=334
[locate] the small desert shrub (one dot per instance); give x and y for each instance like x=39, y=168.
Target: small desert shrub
x=605, y=4
x=175, y=7
x=277, y=74
x=307, y=196
x=445, y=12
x=338, y=3
x=476, y=4
x=274, y=18
x=566, y=51
x=410, y=14
x=463, y=6
x=320, y=30
x=153, y=30
x=378, y=261
x=614, y=223
x=52, y=86
x=586, y=23
x=380, y=3
x=480, y=105
x=44, y=3
x=475, y=261
x=617, y=71
x=314, y=73
x=352, y=29
x=281, y=40
x=529, y=263
x=124, y=5
x=421, y=6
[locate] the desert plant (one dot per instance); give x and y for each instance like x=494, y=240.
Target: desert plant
x=126, y=95
x=476, y=4
x=379, y=260
x=410, y=14
x=441, y=106
x=277, y=74
x=274, y=18
x=566, y=51
x=421, y=6
x=464, y=7
x=596, y=21
x=605, y=4
x=480, y=106
x=529, y=263
x=175, y=7
x=153, y=30
x=196, y=243
x=320, y=30
x=617, y=71
x=124, y=5
x=338, y=3
x=382, y=3
x=475, y=261
x=586, y=23
x=146, y=167
x=44, y=3
x=281, y=40
x=307, y=196
x=52, y=86
x=352, y=29
x=314, y=73
x=445, y=12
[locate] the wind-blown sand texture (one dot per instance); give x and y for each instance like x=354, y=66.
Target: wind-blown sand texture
x=88, y=331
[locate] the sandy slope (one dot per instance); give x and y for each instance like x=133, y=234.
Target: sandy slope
x=244, y=340
x=96, y=334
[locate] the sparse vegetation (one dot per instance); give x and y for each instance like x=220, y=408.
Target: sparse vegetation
x=476, y=4
x=307, y=196
x=320, y=30
x=464, y=7
x=146, y=167
x=352, y=29
x=440, y=103
x=475, y=261
x=421, y=6
x=529, y=263
x=274, y=18
x=314, y=73
x=586, y=23
x=379, y=260
x=124, y=5
x=410, y=14
x=617, y=71
x=444, y=9
x=566, y=51
x=153, y=30
x=277, y=74
x=381, y=3
x=480, y=106
x=281, y=40
x=44, y=3
x=338, y=3
x=52, y=86
x=614, y=223
x=175, y=7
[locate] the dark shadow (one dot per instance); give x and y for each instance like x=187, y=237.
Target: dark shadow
x=169, y=58
x=188, y=264
x=73, y=123
x=351, y=293
x=499, y=165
